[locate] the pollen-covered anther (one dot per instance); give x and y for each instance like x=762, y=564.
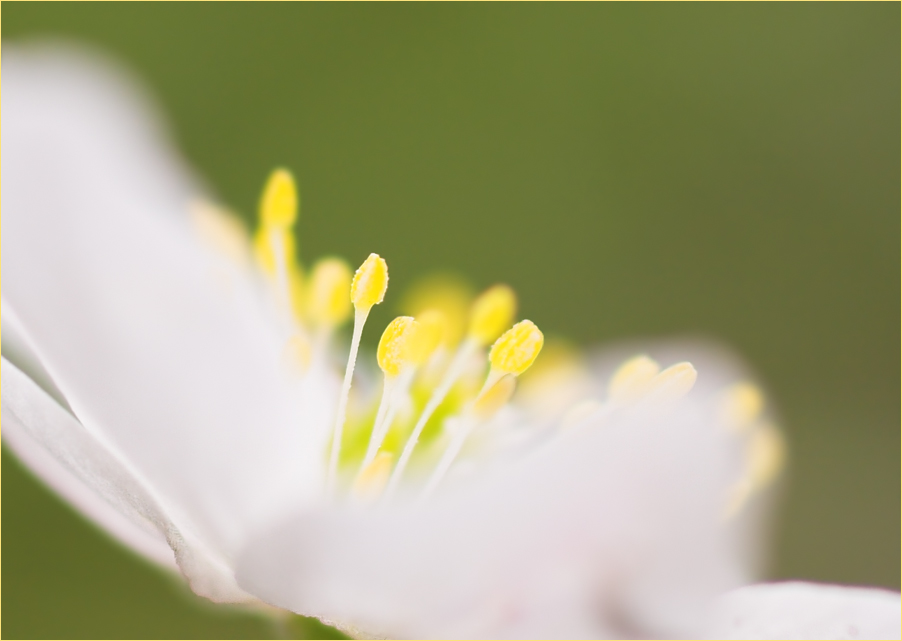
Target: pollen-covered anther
x=673, y=383
x=492, y=311
x=514, y=352
x=328, y=299
x=370, y=283
x=517, y=348
x=279, y=202
x=371, y=481
x=394, y=351
x=367, y=289
x=632, y=379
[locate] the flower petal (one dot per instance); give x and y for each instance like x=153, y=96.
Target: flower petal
x=797, y=610
x=610, y=531
x=126, y=311
x=91, y=477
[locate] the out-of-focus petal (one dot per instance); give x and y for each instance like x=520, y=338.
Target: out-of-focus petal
x=612, y=530
x=123, y=308
x=94, y=479
x=718, y=368
x=797, y=610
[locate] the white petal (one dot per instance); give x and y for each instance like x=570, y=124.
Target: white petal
x=718, y=367
x=91, y=477
x=808, y=611
x=118, y=302
x=610, y=531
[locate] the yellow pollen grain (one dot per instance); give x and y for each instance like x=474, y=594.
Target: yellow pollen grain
x=328, y=300
x=393, y=352
x=517, y=348
x=373, y=478
x=742, y=405
x=279, y=202
x=674, y=382
x=492, y=311
x=496, y=397
x=369, y=283
x=431, y=328
x=632, y=378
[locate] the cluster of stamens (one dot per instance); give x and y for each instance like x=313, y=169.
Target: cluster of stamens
x=427, y=360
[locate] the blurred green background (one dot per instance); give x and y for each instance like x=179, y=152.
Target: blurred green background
x=730, y=170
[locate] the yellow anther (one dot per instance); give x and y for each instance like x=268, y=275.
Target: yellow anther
x=766, y=455
x=517, y=348
x=496, y=397
x=492, y=311
x=393, y=352
x=369, y=283
x=448, y=294
x=222, y=229
x=296, y=354
x=279, y=202
x=328, y=301
x=673, y=383
x=430, y=329
x=372, y=479
x=742, y=405
x=632, y=379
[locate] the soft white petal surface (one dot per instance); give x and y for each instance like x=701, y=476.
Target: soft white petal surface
x=126, y=310
x=808, y=611
x=610, y=531
x=93, y=478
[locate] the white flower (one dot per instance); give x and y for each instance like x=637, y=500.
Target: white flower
x=176, y=382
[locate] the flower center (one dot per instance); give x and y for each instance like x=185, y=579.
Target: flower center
x=448, y=369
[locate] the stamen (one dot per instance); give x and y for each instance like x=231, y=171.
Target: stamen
x=514, y=352
x=369, y=284
x=279, y=202
x=496, y=397
x=393, y=352
x=328, y=299
x=372, y=479
x=632, y=379
x=367, y=289
x=495, y=304
x=393, y=356
x=492, y=311
x=485, y=407
x=274, y=241
x=673, y=383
